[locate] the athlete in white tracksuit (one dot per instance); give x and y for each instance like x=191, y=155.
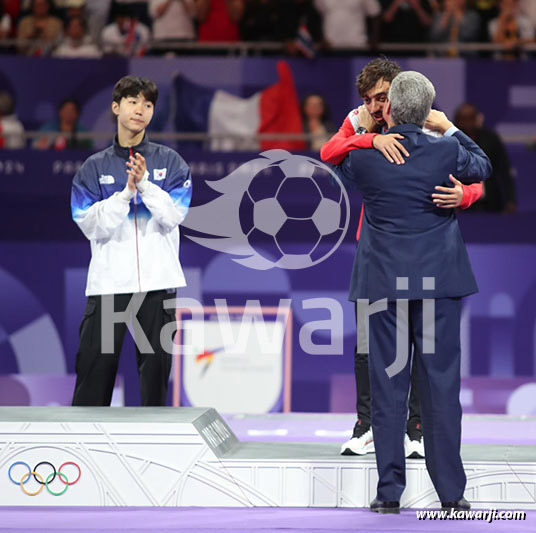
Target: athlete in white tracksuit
x=129, y=200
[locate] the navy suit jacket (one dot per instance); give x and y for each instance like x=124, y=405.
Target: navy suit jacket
x=403, y=234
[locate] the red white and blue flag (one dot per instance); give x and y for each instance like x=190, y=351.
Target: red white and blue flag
x=235, y=122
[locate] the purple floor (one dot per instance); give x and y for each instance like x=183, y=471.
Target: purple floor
x=265, y=520
x=333, y=427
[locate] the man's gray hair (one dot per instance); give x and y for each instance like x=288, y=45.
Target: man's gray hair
x=411, y=95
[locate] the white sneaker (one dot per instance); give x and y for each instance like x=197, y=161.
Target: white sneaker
x=414, y=449
x=359, y=445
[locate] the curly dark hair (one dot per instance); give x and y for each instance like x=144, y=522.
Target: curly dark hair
x=373, y=72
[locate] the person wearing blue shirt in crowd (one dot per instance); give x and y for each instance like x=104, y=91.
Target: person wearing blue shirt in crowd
x=129, y=200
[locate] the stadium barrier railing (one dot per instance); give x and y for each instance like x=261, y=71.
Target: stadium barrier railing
x=245, y=48
x=208, y=138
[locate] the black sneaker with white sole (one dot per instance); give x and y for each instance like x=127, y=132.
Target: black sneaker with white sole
x=413, y=443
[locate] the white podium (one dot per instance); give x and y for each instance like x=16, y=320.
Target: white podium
x=190, y=457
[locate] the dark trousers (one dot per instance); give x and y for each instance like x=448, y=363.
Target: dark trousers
x=362, y=383
x=96, y=371
x=439, y=384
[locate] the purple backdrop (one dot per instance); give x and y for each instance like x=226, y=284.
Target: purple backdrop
x=44, y=257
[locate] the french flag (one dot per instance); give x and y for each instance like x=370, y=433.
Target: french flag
x=275, y=109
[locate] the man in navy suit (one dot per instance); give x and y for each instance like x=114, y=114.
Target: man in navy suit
x=410, y=273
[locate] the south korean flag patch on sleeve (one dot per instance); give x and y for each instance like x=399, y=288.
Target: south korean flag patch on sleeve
x=159, y=174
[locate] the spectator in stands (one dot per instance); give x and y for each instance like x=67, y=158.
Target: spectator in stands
x=302, y=28
x=499, y=189
x=528, y=8
x=455, y=23
x=511, y=29
x=76, y=42
x=172, y=20
x=11, y=128
x=97, y=14
x=407, y=20
x=138, y=9
x=219, y=19
x=262, y=20
x=62, y=133
x=126, y=36
x=8, y=17
x=6, y=26
x=487, y=10
x=39, y=26
x=67, y=9
x=9, y=13
x=316, y=121
x=345, y=21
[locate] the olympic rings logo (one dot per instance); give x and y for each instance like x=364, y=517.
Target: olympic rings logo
x=39, y=478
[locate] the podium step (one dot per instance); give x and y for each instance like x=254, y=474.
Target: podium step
x=182, y=457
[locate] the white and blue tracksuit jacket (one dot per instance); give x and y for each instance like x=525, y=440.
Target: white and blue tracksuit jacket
x=134, y=236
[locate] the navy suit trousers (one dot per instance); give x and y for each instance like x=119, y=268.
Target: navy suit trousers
x=439, y=384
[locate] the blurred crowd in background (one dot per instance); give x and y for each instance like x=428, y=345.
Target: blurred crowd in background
x=64, y=133
x=96, y=28
x=92, y=28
